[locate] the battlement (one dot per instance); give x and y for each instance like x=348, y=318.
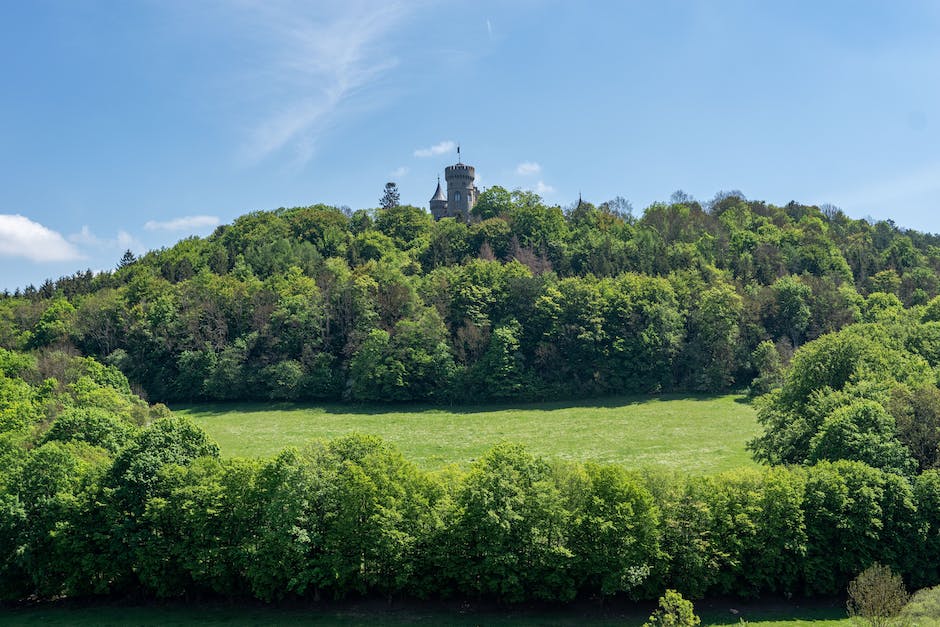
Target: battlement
x=460, y=169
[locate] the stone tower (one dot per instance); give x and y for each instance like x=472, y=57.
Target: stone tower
x=462, y=194
x=439, y=203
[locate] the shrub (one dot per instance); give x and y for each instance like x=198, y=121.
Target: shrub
x=674, y=611
x=923, y=608
x=876, y=596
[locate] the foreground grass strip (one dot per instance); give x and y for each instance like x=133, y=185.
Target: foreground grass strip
x=698, y=434
x=757, y=613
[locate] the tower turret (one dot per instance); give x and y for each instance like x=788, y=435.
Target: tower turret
x=439, y=202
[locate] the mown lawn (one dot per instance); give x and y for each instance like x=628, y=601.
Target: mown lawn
x=699, y=434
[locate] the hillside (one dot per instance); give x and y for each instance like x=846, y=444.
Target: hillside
x=524, y=302
x=102, y=493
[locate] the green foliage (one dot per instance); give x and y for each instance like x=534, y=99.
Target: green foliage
x=509, y=537
x=923, y=607
x=854, y=516
x=413, y=362
x=614, y=524
x=712, y=338
x=877, y=596
x=791, y=314
x=339, y=517
x=54, y=324
x=765, y=359
x=679, y=299
x=674, y=611
x=91, y=505
x=93, y=425
x=862, y=431
x=524, y=302
x=833, y=400
x=404, y=224
x=170, y=440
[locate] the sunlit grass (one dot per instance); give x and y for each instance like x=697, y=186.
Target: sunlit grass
x=697, y=434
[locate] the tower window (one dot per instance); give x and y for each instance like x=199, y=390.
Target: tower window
x=457, y=196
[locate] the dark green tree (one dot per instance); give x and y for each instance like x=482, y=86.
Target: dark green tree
x=390, y=197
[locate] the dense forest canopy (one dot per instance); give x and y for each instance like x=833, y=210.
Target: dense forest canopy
x=834, y=324
x=526, y=301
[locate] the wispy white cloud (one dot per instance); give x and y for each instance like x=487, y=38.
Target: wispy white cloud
x=21, y=237
x=186, y=223
x=437, y=149
x=399, y=172
x=528, y=168
x=489, y=28
x=541, y=188
x=318, y=56
x=121, y=241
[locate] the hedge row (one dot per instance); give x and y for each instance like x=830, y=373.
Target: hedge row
x=166, y=516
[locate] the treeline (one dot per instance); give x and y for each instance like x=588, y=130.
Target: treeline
x=526, y=301
x=93, y=503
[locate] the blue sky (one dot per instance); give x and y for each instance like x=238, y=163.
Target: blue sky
x=131, y=124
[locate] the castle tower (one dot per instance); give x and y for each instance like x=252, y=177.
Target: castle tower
x=462, y=194
x=439, y=203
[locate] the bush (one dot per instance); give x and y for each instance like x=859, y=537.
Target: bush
x=674, y=611
x=876, y=596
x=923, y=608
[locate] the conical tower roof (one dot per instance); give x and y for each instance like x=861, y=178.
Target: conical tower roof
x=439, y=194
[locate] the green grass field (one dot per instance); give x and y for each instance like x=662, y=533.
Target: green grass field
x=699, y=434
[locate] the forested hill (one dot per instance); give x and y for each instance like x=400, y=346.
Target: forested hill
x=525, y=301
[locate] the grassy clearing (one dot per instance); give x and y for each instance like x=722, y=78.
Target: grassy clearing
x=698, y=434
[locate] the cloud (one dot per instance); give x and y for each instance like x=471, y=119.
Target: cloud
x=437, y=149
x=399, y=172
x=310, y=60
x=21, y=237
x=489, y=28
x=528, y=168
x=186, y=223
x=127, y=241
x=541, y=188
x=122, y=241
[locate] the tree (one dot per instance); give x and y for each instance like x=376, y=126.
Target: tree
x=411, y=363
x=765, y=359
x=713, y=329
x=509, y=537
x=613, y=529
x=391, y=197
x=127, y=259
x=790, y=314
x=862, y=431
x=877, y=595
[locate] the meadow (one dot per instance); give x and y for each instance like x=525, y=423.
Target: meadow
x=698, y=434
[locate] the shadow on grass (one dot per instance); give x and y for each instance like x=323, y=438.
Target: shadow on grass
x=380, y=612
x=372, y=409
